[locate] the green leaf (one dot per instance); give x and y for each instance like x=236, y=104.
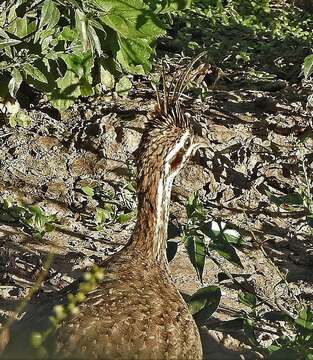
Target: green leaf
x=20, y=27
x=49, y=227
x=249, y=331
x=35, y=73
x=247, y=299
x=228, y=326
x=194, y=207
x=226, y=251
x=123, y=218
x=81, y=26
x=3, y=34
x=305, y=318
x=12, y=13
x=308, y=66
x=76, y=81
x=50, y=15
x=76, y=3
x=123, y=86
x=69, y=87
x=88, y=191
x=6, y=43
x=15, y=82
x=131, y=186
x=79, y=64
x=232, y=236
x=205, y=300
x=94, y=40
x=67, y=34
x=103, y=214
x=276, y=315
x=134, y=55
x=20, y=118
x=7, y=202
x=168, y=6
x=61, y=104
x=196, y=251
x=107, y=79
x=36, y=339
x=51, y=218
x=218, y=231
x=101, y=5
x=289, y=199
x=38, y=221
x=97, y=24
x=46, y=38
x=35, y=210
x=132, y=19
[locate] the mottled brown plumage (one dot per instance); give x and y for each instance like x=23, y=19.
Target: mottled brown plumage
x=136, y=312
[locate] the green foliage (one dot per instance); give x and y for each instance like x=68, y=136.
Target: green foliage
x=257, y=16
x=202, y=237
x=31, y=217
x=76, y=48
x=196, y=251
x=299, y=341
x=267, y=30
x=294, y=337
x=223, y=241
x=308, y=66
x=123, y=86
x=21, y=118
x=115, y=207
x=194, y=208
x=206, y=301
x=87, y=190
x=104, y=215
x=168, y=6
x=289, y=199
x=247, y=299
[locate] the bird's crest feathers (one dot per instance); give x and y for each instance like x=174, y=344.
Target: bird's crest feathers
x=168, y=109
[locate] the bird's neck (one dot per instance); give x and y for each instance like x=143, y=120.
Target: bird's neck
x=150, y=233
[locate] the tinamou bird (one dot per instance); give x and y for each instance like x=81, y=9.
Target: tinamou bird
x=135, y=312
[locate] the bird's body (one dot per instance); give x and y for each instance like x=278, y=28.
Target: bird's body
x=126, y=318
x=135, y=312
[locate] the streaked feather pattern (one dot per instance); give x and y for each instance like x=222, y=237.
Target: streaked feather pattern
x=136, y=312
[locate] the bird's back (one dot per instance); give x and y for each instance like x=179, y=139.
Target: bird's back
x=135, y=313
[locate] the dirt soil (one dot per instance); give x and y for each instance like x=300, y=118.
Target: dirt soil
x=260, y=131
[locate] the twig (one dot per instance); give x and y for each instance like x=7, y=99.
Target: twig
x=32, y=290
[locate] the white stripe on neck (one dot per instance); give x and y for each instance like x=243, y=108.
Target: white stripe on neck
x=163, y=199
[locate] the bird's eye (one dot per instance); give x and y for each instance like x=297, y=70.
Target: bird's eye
x=187, y=144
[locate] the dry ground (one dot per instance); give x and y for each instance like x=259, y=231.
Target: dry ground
x=258, y=130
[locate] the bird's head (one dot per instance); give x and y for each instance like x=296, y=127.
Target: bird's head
x=170, y=138
x=168, y=142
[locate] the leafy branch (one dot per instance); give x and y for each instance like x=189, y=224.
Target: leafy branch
x=78, y=48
